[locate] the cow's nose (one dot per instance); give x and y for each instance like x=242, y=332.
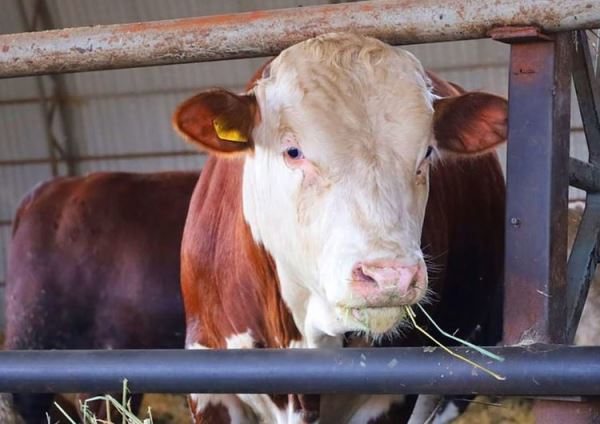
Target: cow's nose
x=388, y=275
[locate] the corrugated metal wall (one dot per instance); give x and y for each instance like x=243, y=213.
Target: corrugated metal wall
x=120, y=120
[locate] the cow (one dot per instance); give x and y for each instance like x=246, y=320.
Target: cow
x=94, y=264
x=344, y=185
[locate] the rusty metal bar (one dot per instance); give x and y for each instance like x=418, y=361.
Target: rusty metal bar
x=265, y=33
x=536, y=293
x=537, y=180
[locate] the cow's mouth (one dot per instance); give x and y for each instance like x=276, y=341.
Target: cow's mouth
x=373, y=320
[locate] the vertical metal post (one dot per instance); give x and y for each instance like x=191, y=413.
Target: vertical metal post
x=535, y=290
x=58, y=105
x=537, y=190
x=46, y=116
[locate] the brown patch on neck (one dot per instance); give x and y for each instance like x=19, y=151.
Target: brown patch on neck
x=229, y=283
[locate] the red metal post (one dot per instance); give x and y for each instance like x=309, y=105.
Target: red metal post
x=535, y=291
x=537, y=194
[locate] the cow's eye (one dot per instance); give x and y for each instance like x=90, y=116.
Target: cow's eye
x=429, y=152
x=294, y=153
x=421, y=170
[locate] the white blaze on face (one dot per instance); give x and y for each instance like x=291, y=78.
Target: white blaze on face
x=359, y=112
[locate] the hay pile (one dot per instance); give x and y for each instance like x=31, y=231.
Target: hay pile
x=167, y=409
x=173, y=409
x=494, y=410
x=155, y=409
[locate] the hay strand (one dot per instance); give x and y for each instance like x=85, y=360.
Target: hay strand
x=412, y=315
x=481, y=350
x=123, y=408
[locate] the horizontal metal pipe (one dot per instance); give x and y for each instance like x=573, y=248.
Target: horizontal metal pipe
x=78, y=99
x=584, y=176
x=137, y=155
x=539, y=370
x=115, y=156
x=265, y=33
x=25, y=161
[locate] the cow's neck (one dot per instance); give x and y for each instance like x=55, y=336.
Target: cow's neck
x=313, y=316
x=229, y=282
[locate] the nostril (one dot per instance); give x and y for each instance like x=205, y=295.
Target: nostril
x=359, y=275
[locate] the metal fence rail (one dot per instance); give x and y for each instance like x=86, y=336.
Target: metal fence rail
x=265, y=33
x=533, y=370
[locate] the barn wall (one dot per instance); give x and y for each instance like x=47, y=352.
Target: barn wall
x=127, y=112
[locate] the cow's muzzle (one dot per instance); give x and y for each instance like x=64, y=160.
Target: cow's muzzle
x=386, y=283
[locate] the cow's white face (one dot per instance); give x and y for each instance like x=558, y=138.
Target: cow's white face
x=339, y=133
x=338, y=178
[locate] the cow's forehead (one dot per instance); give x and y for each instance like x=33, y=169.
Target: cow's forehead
x=346, y=51
x=348, y=90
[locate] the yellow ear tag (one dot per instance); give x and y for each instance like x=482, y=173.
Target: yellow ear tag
x=228, y=134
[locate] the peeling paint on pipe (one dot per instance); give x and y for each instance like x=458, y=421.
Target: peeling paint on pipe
x=266, y=33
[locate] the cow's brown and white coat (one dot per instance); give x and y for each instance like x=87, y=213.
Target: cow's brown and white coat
x=309, y=226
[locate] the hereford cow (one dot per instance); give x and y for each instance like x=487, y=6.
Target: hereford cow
x=94, y=264
x=309, y=225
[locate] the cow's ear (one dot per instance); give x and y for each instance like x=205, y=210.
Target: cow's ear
x=217, y=121
x=470, y=123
